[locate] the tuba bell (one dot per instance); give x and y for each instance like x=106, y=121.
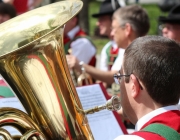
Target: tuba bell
x=33, y=63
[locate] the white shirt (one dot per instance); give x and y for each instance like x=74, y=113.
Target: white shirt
x=144, y=120
x=119, y=60
x=179, y=105
x=82, y=48
x=104, y=56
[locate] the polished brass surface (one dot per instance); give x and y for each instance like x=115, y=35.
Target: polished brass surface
x=21, y=121
x=33, y=63
x=80, y=79
x=84, y=79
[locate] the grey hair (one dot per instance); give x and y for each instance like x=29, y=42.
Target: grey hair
x=136, y=16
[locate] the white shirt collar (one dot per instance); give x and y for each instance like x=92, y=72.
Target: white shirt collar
x=121, y=52
x=73, y=32
x=152, y=114
x=114, y=45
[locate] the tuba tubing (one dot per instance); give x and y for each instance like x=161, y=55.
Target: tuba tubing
x=33, y=63
x=112, y=104
x=21, y=121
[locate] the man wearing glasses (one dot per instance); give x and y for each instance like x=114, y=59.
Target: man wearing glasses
x=149, y=80
x=170, y=27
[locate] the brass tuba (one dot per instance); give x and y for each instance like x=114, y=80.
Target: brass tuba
x=33, y=63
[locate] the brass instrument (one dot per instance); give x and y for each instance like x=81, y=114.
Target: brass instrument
x=112, y=104
x=80, y=79
x=33, y=63
x=84, y=78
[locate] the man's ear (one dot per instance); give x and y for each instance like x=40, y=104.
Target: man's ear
x=135, y=86
x=128, y=29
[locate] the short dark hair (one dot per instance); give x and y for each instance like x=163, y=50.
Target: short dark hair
x=136, y=16
x=8, y=9
x=155, y=60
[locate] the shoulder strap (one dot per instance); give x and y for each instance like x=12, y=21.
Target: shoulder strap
x=111, y=56
x=67, y=47
x=167, y=132
x=108, y=50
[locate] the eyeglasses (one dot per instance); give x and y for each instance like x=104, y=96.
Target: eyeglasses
x=118, y=76
x=114, y=29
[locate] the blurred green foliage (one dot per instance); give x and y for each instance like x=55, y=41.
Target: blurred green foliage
x=152, y=9
x=154, y=12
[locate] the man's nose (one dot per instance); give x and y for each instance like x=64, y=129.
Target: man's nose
x=97, y=23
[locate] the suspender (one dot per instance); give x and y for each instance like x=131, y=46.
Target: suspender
x=165, y=131
x=111, y=56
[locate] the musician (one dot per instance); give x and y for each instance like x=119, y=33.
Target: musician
x=170, y=25
x=149, y=80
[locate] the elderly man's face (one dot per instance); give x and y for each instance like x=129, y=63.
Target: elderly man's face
x=118, y=34
x=171, y=31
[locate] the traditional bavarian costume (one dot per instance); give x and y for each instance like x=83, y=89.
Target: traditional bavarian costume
x=160, y=124
x=108, y=55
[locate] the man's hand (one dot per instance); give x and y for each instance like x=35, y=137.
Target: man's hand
x=73, y=62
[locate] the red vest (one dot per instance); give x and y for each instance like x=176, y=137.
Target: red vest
x=170, y=118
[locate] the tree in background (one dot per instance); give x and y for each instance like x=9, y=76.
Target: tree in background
x=83, y=16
